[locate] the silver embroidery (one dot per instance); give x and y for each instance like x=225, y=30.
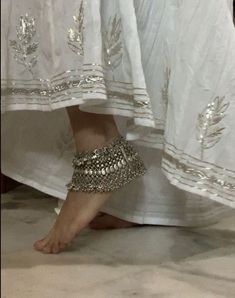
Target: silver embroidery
x=76, y=34
x=203, y=175
x=141, y=104
x=25, y=47
x=192, y=172
x=209, y=132
x=112, y=43
x=165, y=89
x=83, y=84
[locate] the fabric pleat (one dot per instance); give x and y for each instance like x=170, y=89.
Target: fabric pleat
x=164, y=68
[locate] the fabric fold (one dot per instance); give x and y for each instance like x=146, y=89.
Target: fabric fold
x=165, y=69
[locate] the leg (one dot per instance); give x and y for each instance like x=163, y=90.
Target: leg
x=90, y=131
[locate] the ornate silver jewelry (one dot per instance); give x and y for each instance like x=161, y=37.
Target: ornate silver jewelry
x=106, y=169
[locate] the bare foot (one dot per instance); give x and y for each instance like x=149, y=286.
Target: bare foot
x=76, y=213
x=106, y=221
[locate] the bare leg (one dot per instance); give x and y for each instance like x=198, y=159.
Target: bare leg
x=90, y=131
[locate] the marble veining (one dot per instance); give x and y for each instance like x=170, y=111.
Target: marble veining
x=139, y=262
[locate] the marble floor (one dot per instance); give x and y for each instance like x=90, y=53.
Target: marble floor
x=138, y=262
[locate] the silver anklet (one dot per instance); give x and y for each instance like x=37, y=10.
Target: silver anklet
x=106, y=169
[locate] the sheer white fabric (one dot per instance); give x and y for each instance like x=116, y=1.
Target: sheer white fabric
x=165, y=69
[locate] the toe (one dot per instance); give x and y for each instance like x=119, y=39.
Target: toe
x=63, y=246
x=38, y=245
x=55, y=248
x=47, y=249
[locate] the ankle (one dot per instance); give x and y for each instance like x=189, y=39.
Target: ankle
x=90, y=140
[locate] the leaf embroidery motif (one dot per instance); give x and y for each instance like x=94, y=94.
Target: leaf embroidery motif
x=209, y=130
x=76, y=34
x=25, y=48
x=112, y=43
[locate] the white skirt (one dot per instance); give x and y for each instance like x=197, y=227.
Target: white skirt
x=164, y=68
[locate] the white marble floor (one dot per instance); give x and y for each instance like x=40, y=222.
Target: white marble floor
x=138, y=262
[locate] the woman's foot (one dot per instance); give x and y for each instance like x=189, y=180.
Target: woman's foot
x=91, y=131
x=76, y=213
x=106, y=221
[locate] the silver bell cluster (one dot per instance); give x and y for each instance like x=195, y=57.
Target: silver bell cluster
x=106, y=169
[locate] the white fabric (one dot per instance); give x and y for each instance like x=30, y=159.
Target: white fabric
x=176, y=58
x=43, y=161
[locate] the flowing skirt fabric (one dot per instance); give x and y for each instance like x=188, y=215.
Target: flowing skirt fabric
x=165, y=69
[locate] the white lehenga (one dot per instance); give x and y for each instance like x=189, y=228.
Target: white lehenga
x=164, y=68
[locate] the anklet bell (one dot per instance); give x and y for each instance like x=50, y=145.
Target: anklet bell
x=106, y=169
